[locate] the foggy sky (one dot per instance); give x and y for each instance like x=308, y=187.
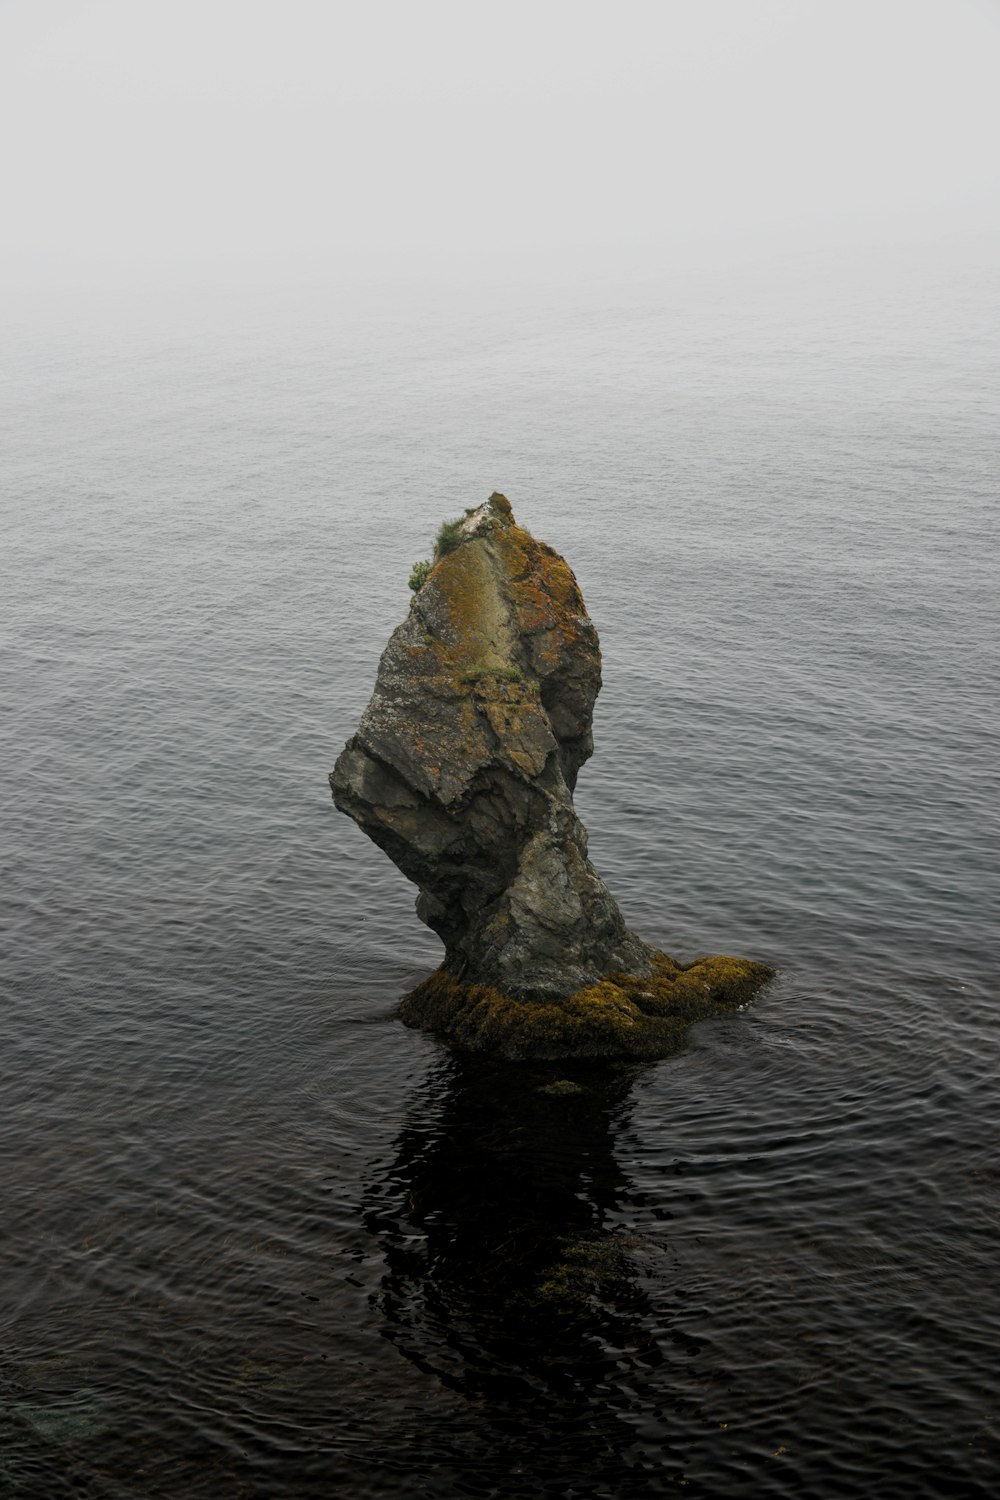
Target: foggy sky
x=160, y=133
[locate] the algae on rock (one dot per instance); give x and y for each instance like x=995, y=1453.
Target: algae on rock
x=463, y=768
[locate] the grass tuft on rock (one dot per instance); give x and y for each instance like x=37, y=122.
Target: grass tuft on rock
x=448, y=538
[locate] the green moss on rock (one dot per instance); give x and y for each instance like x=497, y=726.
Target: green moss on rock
x=620, y=1017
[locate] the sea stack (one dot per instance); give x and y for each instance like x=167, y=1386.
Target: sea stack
x=462, y=770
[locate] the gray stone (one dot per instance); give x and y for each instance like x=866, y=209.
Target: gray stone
x=463, y=765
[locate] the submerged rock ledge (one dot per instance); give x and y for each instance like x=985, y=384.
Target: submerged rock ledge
x=462, y=769
x=622, y=1016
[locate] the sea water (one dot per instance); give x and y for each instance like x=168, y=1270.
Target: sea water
x=260, y=1240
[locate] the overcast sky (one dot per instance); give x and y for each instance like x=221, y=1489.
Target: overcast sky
x=159, y=133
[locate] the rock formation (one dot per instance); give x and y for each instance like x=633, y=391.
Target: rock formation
x=462, y=769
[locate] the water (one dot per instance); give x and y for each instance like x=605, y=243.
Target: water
x=260, y=1240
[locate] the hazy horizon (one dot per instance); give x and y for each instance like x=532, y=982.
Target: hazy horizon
x=151, y=144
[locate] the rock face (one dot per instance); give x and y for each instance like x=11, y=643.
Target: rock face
x=464, y=763
x=462, y=769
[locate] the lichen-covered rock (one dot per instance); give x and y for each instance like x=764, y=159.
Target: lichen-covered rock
x=463, y=765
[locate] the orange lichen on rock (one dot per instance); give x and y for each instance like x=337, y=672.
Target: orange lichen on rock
x=544, y=595
x=622, y=1016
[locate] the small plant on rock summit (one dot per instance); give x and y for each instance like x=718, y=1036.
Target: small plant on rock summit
x=419, y=574
x=448, y=537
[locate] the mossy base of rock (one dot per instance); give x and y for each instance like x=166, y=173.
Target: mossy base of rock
x=621, y=1017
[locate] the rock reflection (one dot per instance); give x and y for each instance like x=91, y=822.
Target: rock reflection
x=510, y=1273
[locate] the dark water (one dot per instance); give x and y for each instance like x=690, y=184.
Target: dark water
x=261, y=1241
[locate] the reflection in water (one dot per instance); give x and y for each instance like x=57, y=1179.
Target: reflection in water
x=510, y=1276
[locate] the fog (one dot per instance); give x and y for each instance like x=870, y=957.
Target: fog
x=236, y=137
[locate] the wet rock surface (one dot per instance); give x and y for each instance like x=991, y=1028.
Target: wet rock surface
x=462, y=770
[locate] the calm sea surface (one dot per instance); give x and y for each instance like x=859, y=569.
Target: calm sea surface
x=262, y=1241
